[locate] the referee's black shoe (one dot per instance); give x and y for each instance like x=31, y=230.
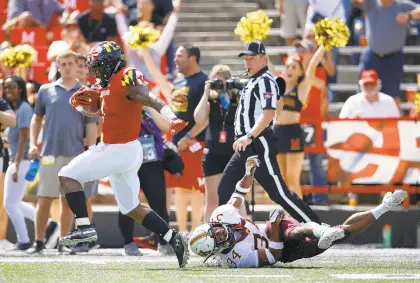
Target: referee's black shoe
x=82, y=234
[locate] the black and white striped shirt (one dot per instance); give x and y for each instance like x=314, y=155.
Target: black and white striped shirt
x=260, y=93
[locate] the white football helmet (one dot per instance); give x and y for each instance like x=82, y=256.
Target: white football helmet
x=201, y=242
x=211, y=238
x=227, y=214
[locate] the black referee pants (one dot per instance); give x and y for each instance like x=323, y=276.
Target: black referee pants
x=268, y=175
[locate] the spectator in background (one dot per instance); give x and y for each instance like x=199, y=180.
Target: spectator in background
x=32, y=13
x=63, y=139
x=152, y=180
x=293, y=14
x=71, y=39
x=18, y=140
x=317, y=106
x=162, y=10
x=287, y=129
x=370, y=102
x=387, y=26
x=185, y=95
x=217, y=107
x=157, y=49
x=96, y=25
x=7, y=119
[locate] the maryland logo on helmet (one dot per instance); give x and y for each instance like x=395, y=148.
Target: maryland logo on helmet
x=131, y=77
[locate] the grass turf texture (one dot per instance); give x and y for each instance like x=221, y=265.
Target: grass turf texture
x=335, y=265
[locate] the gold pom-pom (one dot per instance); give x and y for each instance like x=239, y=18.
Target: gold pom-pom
x=20, y=56
x=255, y=26
x=25, y=55
x=331, y=33
x=141, y=37
x=417, y=100
x=8, y=57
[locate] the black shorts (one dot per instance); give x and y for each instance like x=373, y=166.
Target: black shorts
x=289, y=138
x=297, y=249
x=215, y=162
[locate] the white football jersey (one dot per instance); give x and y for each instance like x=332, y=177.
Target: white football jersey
x=244, y=253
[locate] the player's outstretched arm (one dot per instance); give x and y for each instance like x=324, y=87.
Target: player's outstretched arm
x=142, y=94
x=244, y=185
x=275, y=246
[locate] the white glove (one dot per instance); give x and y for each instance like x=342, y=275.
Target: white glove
x=251, y=165
x=274, y=213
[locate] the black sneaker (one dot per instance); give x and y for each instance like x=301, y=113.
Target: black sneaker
x=179, y=243
x=23, y=246
x=37, y=248
x=82, y=234
x=52, y=234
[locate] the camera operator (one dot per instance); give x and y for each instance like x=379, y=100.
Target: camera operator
x=217, y=107
x=254, y=136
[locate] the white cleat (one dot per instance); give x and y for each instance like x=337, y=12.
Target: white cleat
x=394, y=200
x=329, y=237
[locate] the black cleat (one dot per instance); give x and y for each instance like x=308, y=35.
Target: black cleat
x=82, y=234
x=37, y=248
x=179, y=243
x=52, y=234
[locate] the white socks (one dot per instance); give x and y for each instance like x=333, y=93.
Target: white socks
x=82, y=221
x=379, y=210
x=168, y=235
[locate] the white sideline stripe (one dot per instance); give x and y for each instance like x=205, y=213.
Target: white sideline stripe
x=241, y=276
x=277, y=181
x=372, y=276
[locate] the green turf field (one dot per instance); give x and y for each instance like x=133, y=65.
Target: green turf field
x=336, y=265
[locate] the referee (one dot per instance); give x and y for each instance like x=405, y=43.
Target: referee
x=254, y=136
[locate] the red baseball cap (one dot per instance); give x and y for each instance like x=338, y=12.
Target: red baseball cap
x=369, y=76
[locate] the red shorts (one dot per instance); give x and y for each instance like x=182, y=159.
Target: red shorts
x=297, y=249
x=192, y=177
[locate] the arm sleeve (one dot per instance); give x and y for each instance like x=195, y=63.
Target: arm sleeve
x=268, y=93
x=132, y=77
x=23, y=120
x=168, y=33
x=40, y=105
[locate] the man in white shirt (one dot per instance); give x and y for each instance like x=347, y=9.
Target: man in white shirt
x=370, y=102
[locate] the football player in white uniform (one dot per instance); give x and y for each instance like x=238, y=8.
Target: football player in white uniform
x=239, y=243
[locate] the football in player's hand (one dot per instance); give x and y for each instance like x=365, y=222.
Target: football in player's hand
x=87, y=100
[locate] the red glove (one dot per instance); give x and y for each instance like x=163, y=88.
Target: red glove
x=84, y=97
x=177, y=125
